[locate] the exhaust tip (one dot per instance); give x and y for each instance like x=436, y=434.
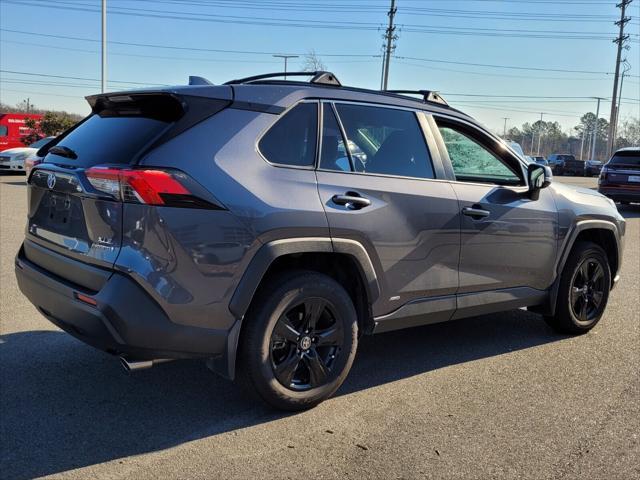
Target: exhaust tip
x=133, y=365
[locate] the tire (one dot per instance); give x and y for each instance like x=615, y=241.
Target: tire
x=584, y=290
x=273, y=339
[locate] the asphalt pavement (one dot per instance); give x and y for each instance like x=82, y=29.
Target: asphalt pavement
x=498, y=396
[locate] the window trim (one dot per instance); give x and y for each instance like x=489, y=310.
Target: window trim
x=316, y=158
x=416, y=114
x=477, y=134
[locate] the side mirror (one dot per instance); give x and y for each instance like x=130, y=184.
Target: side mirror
x=539, y=177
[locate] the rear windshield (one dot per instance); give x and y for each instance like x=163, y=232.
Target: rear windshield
x=566, y=157
x=41, y=142
x=626, y=159
x=111, y=139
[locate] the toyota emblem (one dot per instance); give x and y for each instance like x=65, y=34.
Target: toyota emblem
x=51, y=181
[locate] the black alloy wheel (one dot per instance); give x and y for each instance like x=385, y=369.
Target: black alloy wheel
x=587, y=290
x=305, y=344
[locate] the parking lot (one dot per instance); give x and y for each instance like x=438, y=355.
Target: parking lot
x=498, y=396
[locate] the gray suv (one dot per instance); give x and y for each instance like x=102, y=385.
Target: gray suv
x=265, y=225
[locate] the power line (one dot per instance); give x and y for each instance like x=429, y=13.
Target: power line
x=347, y=55
x=79, y=78
x=322, y=24
x=175, y=47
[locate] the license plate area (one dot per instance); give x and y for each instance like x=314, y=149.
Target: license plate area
x=60, y=211
x=634, y=178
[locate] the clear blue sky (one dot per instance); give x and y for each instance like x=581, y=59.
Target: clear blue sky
x=487, y=32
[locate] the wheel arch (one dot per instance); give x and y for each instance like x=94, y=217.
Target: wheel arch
x=344, y=260
x=601, y=232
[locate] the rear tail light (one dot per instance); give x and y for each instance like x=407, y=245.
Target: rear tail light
x=149, y=187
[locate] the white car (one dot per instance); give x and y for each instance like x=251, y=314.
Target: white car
x=13, y=158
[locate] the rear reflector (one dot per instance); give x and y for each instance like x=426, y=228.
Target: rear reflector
x=86, y=299
x=148, y=186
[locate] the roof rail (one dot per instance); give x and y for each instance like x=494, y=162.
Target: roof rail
x=195, y=80
x=427, y=95
x=318, y=77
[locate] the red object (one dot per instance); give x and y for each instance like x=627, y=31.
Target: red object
x=86, y=299
x=12, y=129
x=145, y=185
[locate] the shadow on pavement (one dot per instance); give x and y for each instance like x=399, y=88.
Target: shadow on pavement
x=65, y=405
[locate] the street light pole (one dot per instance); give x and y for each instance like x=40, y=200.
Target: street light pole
x=104, y=46
x=286, y=57
x=594, y=131
x=539, y=134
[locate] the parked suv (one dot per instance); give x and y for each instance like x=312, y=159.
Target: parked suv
x=620, y=177
x=266, y=225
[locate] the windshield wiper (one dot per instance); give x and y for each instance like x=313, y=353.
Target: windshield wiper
x=63, y=152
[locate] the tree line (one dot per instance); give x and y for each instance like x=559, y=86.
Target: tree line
x=552, y=139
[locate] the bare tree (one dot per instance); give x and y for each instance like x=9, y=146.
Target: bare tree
x=313, y=63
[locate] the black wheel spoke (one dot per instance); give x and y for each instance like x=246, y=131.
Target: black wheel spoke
x=582, y=312
x=584, y=272
x=329, y=337
x=287, y=369
x=313, y=308
x=318, y=372
x=285, y=330
x=597, y=274
x=597, y=298
x=576, y=293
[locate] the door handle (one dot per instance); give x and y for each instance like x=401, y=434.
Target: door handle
x=475, y=212
x=351, y=200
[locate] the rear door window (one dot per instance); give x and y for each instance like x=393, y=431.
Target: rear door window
x=385, y=141
x=292, y=140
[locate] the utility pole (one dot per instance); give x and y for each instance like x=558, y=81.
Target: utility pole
x=504, y=130
x=104, y=46
x=627, y=67
x=286, y=57
x=390, y=37
x=622, y=38
x=594, y=131
x=539, y=134
x=582, y=143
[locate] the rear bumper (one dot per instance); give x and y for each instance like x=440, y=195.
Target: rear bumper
x=620, y=193
x=124, y=321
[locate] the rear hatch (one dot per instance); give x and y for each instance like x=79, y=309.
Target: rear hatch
x=623, y=168
x=76, y=195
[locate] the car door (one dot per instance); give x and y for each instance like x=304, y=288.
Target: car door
x=378, y=186
x=508, y=237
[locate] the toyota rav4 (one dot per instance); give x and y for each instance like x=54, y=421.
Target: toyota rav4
x=265, y=225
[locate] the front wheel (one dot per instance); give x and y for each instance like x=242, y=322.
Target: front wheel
x=584, y=290
x=298, y=341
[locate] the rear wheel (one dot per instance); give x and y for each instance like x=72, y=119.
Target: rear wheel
x=299, y=340
x=584, y=290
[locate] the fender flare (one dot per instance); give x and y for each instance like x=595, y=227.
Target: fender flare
x=258, y=266
x=570, y=240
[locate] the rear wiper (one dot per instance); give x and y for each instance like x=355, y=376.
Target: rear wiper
x=63, y=152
